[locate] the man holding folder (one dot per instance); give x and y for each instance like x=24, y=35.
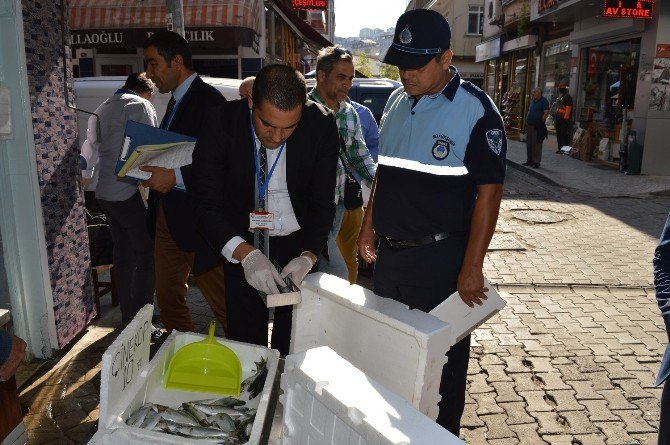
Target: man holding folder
x=179, y=248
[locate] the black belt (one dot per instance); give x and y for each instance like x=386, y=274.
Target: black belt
x=402, y=244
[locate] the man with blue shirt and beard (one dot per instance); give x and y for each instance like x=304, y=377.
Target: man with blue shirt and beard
x=438, y=187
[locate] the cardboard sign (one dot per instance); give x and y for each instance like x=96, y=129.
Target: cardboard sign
x=124, y=359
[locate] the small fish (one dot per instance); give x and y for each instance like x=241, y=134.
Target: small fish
x=255, y=383
x=201, y=431
x=153, y=418
x=138, y=416
x=195, y=413
x=213, y=410
x=223, y=421
x=179, y=417
x=223, y=401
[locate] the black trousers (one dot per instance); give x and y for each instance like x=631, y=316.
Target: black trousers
x=133, y=254
x=247, y=314
x=423, y=277
x=563, y=133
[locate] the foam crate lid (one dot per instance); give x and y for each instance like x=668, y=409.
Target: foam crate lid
x=402, y=349
x=375, y=413
x=464, y=319
x=129, y=379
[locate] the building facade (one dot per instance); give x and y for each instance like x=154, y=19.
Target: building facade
x=228, y=38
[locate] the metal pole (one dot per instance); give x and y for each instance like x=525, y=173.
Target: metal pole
x=175, y=18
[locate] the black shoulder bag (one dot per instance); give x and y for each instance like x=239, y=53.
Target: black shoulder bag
x=353, y=196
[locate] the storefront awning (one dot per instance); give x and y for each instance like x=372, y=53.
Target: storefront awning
x=101, y=22
x=310, y=35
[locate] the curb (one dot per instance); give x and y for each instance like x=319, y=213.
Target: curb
x=537, y=174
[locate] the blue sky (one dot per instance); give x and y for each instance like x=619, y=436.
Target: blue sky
x=352, y=15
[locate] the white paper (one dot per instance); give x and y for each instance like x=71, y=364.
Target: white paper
x=178, y=155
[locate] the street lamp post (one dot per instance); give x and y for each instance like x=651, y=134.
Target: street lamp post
x=175, y=11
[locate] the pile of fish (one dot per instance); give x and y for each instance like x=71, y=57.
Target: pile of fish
x=224, y=420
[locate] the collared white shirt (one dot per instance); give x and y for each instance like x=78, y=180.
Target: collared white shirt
x=278, y=203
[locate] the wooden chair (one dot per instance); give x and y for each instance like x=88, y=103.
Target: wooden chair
x=101, y=288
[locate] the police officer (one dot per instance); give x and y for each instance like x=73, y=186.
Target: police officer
x=438, y=187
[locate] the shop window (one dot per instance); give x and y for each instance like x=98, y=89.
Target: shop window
x=555, y=68
x=607, y=87
x=279, y=38
x=490, y=77
x=476, y=20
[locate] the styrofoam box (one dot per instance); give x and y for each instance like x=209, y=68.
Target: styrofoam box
x=465, y=319
x=404, y=350
x=129, y=379
x=328, y=401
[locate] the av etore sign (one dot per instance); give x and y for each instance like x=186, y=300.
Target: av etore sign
x=629, y=9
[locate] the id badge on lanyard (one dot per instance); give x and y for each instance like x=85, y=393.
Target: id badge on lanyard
x=261, y=218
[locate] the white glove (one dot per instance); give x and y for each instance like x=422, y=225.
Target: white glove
x=297, y=268
x=260, y=273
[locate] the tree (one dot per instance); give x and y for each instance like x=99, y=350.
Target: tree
x=389, y=71
x=363, y=64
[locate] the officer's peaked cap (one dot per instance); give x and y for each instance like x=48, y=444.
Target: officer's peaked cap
x=420, y=34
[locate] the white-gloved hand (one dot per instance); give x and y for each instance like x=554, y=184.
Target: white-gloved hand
x=298, y=267
x=260, y=273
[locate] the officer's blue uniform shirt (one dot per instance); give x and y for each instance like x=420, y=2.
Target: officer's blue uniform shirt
x=432, y=155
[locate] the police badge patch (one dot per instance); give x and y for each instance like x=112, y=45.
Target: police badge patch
x=405, y=35
x=495, y=139
x=441, y=149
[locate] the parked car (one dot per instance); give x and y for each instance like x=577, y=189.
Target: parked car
x=373, y=93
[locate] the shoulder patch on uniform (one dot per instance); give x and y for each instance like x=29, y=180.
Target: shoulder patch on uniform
x=495, y=140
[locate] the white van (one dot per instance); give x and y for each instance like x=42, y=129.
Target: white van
x=90, y=92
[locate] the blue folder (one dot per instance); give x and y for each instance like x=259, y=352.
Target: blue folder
x=138, y=134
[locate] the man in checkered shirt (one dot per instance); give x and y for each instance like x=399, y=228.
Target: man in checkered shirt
x=334, y=75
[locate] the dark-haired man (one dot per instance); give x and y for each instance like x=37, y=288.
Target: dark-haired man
x=334, y=77
x=438, y=188
x=120, y=200
x=264, y=181
x=179, y=248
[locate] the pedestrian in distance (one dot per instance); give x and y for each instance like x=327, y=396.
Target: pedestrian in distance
x=661, y=263
x=334, y=77
x=264, y=176
x=536, y=129
x=438, y=188
x=563, y=116
x=12, y=353
x=179, y=248
x=120, y=200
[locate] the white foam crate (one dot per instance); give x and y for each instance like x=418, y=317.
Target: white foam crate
x=404, y=350
x=328, y=401
x=129, y=379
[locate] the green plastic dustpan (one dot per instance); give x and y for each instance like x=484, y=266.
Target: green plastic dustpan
x=205, y=366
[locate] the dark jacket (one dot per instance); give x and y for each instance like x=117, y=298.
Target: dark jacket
x=196, y=104
x=224, y=178
x=662, y=283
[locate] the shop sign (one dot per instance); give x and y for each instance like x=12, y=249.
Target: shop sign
x=629, y=9
x=491, y=49
x=124, y=38
x=543, y=5
x=663, y=50
x=319, y=5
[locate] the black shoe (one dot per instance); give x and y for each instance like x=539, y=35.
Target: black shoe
x=527, y=163
x=536, y=165
x=558, y=152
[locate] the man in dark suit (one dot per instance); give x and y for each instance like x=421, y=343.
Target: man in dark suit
x=662, y=284
x=179, y=249
x=274, y=156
